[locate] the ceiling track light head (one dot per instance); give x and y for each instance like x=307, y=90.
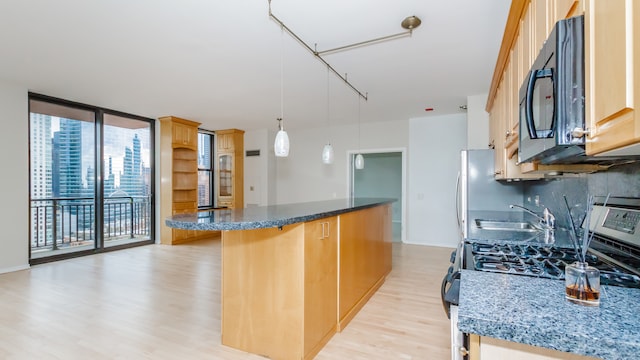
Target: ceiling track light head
x=411, y=22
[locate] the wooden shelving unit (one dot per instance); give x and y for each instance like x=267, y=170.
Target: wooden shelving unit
x=179, y=175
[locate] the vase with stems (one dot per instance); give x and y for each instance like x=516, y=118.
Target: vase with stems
x=582, y=281
x=582, y=284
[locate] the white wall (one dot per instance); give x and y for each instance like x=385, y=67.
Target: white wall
x=434, y=161
x=303, y=177
x=256, y=172
x=14, y=160
x=477, y=122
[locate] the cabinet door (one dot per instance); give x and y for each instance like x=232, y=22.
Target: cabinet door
x=225, y=142
x=225, y=179
x=566, y=8
x=541, y=23
x=497, y=129
x=320, y=282
x=610, y=67
x=184, y=135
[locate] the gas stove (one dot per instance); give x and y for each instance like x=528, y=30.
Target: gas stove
x=615, y=249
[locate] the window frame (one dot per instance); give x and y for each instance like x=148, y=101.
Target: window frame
x=210, y=170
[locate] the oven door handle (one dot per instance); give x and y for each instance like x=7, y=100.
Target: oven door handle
x=447, y=280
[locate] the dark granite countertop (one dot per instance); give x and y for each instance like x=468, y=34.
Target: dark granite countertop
x=534, y=311
x=269, y=216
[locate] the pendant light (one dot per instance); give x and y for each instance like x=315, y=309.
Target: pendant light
x=327, y=150
x=359, y=161
x=281, y=144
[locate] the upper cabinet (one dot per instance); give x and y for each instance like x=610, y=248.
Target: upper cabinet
x=612, y=62
x=184, y=133
x=612, y=68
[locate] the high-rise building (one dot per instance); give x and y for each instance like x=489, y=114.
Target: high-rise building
x=67, y=159
x=40, y=163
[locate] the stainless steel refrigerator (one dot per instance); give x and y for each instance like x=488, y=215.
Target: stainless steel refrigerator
x=479, y=191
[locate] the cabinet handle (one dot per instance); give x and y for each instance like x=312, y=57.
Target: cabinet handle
x=326, y=230
x=499, y=172
x=580, y=132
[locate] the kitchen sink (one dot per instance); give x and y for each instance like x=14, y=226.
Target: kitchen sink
x=506, y=225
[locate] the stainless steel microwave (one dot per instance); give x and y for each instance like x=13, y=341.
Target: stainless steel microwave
x=552, y=99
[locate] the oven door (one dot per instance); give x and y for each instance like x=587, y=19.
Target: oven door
x=450, y=287
x=450, y=294
x=459, y=340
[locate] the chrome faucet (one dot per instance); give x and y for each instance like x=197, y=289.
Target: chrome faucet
x=546, y=220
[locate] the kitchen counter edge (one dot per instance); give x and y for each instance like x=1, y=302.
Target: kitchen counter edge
x=261, y=217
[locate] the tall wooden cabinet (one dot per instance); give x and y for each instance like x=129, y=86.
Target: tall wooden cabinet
x=230, y=168
x=178, y=175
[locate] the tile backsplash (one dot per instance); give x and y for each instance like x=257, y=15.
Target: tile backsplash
x=619, y=181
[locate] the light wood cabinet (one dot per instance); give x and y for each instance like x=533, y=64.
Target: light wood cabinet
x=320, y=283
x=542, y=23
x=184, y=135
x=178, y=175
x=360, y=241
x=486, y=348
x=503, y=126
x=230, y=168
x=567, y=8
x=279, y=289
x=612, y=62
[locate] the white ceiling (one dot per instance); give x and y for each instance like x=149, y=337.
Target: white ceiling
x=218, y=62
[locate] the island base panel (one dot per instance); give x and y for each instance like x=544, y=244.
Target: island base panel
x=262, y=291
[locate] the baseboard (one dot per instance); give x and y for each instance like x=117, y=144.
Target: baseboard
x=14, y=268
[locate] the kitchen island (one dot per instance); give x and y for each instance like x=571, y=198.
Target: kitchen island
x=293, y=275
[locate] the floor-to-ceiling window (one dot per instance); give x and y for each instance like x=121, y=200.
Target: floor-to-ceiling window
x=91, y=179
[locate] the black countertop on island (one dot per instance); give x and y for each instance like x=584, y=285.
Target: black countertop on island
x=260, y=217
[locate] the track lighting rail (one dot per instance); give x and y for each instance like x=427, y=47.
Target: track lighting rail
x=316, y=54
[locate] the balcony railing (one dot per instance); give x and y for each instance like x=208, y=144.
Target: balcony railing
x=64, y=222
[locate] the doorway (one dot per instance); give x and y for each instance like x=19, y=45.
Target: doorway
x=383, y=176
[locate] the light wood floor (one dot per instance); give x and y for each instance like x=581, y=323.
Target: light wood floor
x=163, y=302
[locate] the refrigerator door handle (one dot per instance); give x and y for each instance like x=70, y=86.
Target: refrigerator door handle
x=458, y=216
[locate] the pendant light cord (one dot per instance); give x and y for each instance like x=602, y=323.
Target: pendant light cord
x=281, y=77
x=358, y=124
x=328, y=103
